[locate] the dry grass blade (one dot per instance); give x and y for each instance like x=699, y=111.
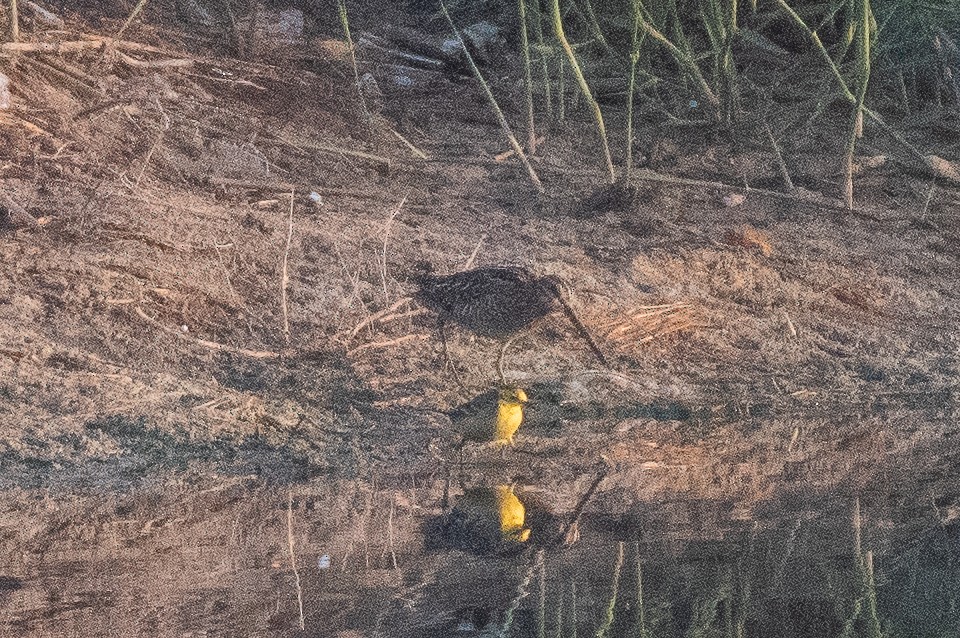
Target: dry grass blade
x=212, y=345
x=608, y=617
x=648, y=323
x=861, y=22
x=383, y=255
x=293, y=559
x=285, y=276
x=133, y=15
x=345, y=23
x=523, y=590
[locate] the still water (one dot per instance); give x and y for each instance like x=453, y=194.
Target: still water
x=436, y=556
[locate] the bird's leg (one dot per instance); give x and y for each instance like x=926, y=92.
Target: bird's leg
x=460, y=468
x=446, y=356
x=500, y=359
x=445, y=505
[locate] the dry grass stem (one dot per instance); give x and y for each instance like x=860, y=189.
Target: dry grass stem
x=387, y=344
x=476, y=251
x=523, y=589
x=171, y=63
x=146, y=160
x=808, y=199
x=133, y=14
x=604, y=630
x=791, y=329
x=383, y=254
x=293, y=558
x=376, y=316
x=394, y=316
x=393, y=553
x=279, y=187
x=212, y=345
x=304, y=145
x=528, y=78
x=285, y=276
x=69, y=46
x=345, y=23
x=781, y=164
x=413, y=149
x=584, y=88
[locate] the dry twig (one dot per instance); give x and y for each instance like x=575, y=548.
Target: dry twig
x=383, y=256
x=387, y=344
x=293, y=559
x=376, y=316
x=285, y=277
x=212, y=345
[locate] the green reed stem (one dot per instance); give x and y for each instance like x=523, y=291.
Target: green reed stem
x=501, y=118
x=604, y=630
x=528, y=77
x=584, y=87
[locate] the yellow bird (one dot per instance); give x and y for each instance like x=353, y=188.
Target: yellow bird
x=488, y=519
x=492, y=416
x=512, y=515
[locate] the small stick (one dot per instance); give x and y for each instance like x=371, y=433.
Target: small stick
x=578, y=510
x=792, y=329
x=385, y=344
x=285, y=277
x=476, y=250
x=386, y=235
x=328, y=148
x=413, y=149
x=213, y=345
x=647, y=175
x=403, y=315
x=154, y=64
x=582, y=329
x=286, y=186
x=133, y=14
x=293, y=560
x=376, y=316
